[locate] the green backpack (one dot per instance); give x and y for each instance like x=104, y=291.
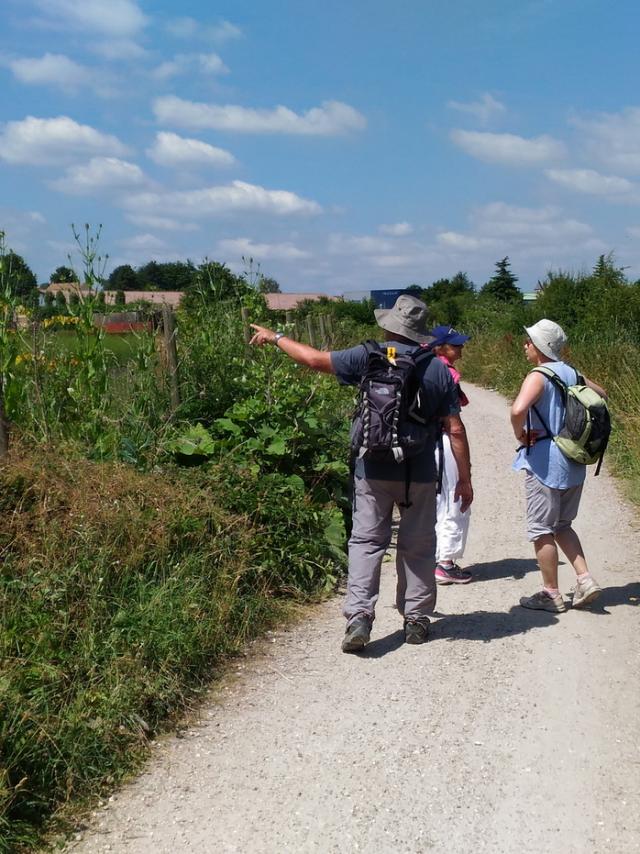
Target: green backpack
x=587, y=424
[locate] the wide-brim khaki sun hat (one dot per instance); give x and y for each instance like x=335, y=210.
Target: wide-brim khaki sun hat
x=407, y=318
x=548, y=337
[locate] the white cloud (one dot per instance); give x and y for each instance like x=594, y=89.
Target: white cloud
x=212, y=201
x=507, y=229
x=119, y=19
x=163, y=223
x=508, y=148
x=613, y=138
x=210, y=63
x=22, y=228
x=592, y=182
x=52, y=69
x=464, y=242
x=634, y=231
x=261, y=251
x=348, y=244
x=170, y=149
x=60, y=72
x=189, y=28
x=501, y=220
x=118, y=49
x=330, y=119
x=484, y=109
x=43, y=141
x=396, y=229
x=185, y=63
x=389, y=261
x=143, y=242
x=168, y=69
x=100, y=173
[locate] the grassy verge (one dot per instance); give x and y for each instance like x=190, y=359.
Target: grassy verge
x=120, y=594
x=498, y=362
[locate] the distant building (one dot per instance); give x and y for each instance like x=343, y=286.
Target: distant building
x=68, y=289
x=170, y=298
x=530, y=296
x=289, y=302
x=386, y=298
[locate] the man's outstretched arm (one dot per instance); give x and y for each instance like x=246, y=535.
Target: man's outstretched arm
x=303, y=354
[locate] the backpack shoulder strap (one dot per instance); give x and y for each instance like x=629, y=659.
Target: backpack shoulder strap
x=371, y=346
x=553, y=378
x=422, y=354
x=579, y=376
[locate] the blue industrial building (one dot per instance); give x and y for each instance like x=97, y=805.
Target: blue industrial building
x=386, y=298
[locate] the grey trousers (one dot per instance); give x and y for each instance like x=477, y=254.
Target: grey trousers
x=374, y=501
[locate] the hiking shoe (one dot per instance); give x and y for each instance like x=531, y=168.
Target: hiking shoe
x=415, y=632
x=543, y=602
x=452, y=574
x=357, y=635
x=585, y=592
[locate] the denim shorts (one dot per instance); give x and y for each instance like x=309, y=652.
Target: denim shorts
x=549, y=510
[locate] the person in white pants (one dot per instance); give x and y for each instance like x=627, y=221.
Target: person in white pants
x=452, y=524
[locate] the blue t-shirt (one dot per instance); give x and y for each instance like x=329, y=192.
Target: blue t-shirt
x=440, y=396
x=545, y=460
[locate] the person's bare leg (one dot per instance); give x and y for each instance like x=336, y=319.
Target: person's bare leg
x=587, y=588
x=547, y=555
x=570, y=544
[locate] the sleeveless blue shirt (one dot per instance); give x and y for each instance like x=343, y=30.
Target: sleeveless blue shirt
x=545, y=460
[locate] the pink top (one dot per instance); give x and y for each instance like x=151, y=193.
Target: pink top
x=464, y=400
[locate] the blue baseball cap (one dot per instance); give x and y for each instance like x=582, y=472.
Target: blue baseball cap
x=447, y=335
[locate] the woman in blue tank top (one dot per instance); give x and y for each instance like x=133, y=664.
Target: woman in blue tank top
x=553, y=483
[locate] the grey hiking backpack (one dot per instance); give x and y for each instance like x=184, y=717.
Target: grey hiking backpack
x=587, y=424
x=392, y=422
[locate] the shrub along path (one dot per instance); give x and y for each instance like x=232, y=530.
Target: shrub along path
x=510, y=730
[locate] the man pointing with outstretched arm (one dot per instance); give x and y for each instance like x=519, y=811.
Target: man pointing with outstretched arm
x=379, y=486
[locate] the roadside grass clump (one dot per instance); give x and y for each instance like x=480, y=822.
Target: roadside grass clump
x=121, y=593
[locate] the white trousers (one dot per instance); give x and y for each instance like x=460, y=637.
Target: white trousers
x=452, y=526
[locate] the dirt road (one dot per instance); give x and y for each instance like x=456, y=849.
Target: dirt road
x=510, y=731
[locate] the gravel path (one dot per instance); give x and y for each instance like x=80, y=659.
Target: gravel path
x=510, y=731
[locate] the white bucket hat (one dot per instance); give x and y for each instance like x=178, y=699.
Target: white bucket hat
x=548, y=337
x=407, y=318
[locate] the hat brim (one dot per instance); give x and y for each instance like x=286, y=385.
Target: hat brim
x=458, y=340
x=391, y=324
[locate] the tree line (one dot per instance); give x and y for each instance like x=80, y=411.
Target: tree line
x=587, y=300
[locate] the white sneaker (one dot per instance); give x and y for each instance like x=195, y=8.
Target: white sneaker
x=585, y=592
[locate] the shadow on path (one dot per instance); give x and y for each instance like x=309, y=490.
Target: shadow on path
x=381, y=646
x=491, y=625
x=507, y=568
x=486, y=626
x=629, y=594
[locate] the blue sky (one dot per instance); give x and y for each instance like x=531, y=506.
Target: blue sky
x=342, y=145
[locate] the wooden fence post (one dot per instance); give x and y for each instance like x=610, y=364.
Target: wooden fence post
x=246, y=329
x=311, y=331
x=330, y=331
x=323, y=332
x=4, y=425
x=169, y=328
x=289, y=318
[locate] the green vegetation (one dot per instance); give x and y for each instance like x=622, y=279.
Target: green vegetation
x=140, y=546
x=120, y=592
